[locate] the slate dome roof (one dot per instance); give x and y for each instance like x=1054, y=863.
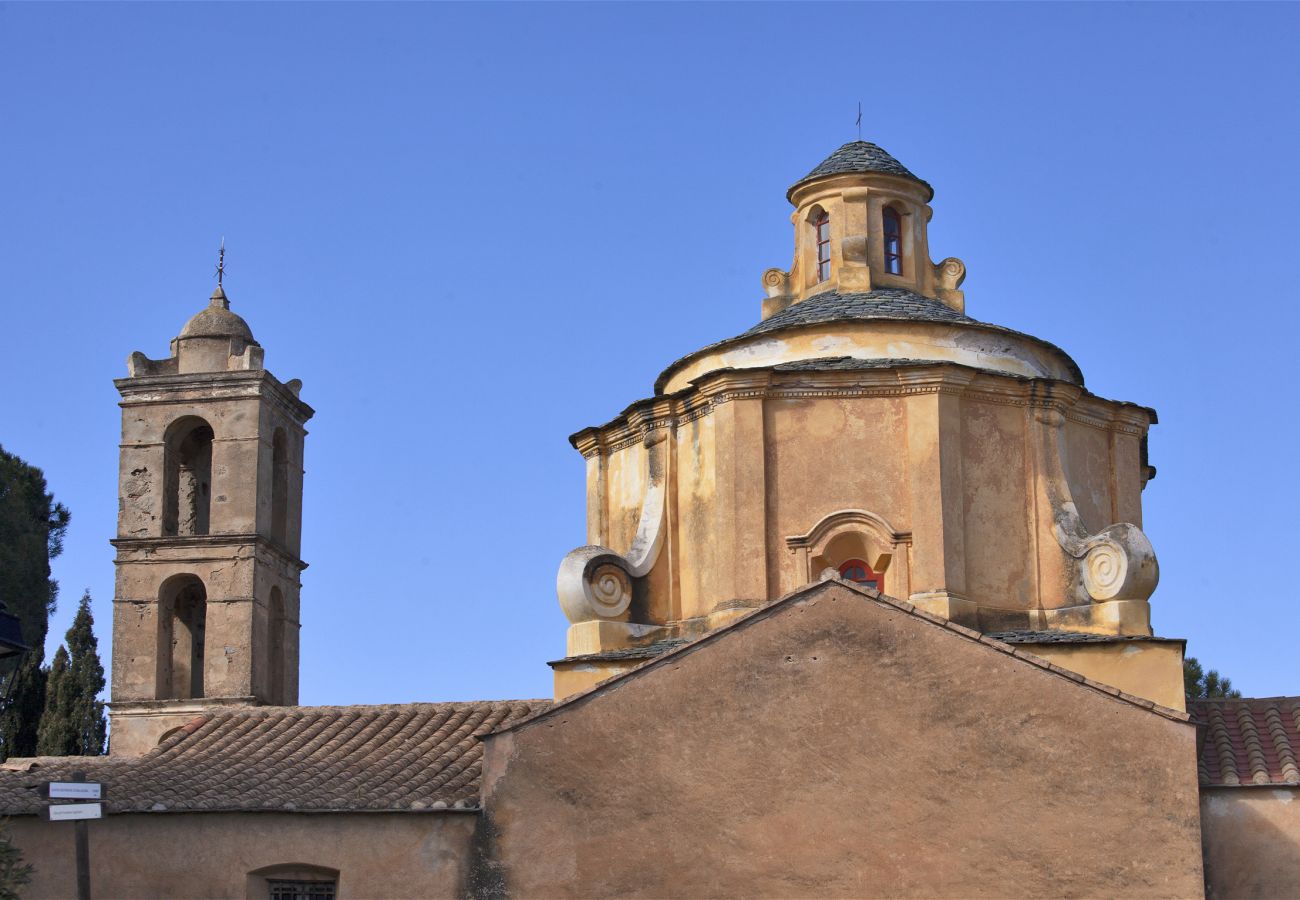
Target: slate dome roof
x=859, y=157
x=881, y=303
x=217, y=321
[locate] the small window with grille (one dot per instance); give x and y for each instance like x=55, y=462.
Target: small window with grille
x=282, y=889
x=821, y=224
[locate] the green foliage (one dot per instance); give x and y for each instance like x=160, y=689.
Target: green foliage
x=21, y=715
x=32, y=527
x=54, y=737
x=1202, y=685
x=14, y=873
x=73, y=723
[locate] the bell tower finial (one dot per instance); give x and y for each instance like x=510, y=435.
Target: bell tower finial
x=219, y=295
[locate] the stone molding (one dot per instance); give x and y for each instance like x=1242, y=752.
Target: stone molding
x=148, y=547
x=214, y=387
x=953, y=379
x=887, y=549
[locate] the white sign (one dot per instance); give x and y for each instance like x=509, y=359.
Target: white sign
x=75, y=790
x=64, y=812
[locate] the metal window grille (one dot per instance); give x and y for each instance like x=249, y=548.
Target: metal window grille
x=301, y=890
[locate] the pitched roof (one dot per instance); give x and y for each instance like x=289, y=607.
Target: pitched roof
x=408, y=757
x=869, y=595
x=1248, y=740
x=859, y=157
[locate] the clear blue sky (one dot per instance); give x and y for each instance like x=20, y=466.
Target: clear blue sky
x=473, y=230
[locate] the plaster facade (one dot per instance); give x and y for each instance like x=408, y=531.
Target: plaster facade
x=837, y=744
x=1252, y=841
x=231, y=855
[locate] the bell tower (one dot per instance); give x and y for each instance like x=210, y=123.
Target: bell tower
x=208, y=531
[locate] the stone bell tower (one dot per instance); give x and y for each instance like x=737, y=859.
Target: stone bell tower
x=208, y=534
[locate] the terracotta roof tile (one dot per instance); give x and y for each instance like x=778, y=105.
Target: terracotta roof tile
x=1248, y=741
x=413, y=756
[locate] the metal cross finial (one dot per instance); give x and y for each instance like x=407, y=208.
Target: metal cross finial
x=221, y=261
x=859, y=122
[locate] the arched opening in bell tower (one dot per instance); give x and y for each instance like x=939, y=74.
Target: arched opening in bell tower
x=187, y=477
x=182, y=627
x=279, y=486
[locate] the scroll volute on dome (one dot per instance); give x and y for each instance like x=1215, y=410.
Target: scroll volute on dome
x=860, y=224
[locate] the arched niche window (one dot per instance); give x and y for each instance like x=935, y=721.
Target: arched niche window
x=821, y=225
x=187, y=477
x=279, y=486
x=859, y=572
x=275, y=647
x=182, y=627
x=893, y=231
x=294, y=881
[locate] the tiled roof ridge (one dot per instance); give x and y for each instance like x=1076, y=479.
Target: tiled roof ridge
x=392, y=757
x=1248, y=741
x=870, y=594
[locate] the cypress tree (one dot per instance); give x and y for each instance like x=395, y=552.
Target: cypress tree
x=73, y=723
x=32, y=526
x=86, y=683
x=55, y=737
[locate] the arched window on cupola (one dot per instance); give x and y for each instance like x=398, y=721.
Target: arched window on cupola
x=857, y=571
x=893, y=231
x=821, y=223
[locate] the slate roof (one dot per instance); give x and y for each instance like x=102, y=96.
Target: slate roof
x=859, y=156
x=1248, y=741
x=882, y=303
x=897, y=304
x=648, y=651
x=1073, y=637
x=403, y=757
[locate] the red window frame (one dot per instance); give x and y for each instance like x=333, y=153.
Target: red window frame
x=859, y=572
x=822, y=230
x=892, y=225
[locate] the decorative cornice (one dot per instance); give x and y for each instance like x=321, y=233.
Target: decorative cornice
x=259, y=543
x=1067, y=401
x=216, y=386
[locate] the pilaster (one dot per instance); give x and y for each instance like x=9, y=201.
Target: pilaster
x=938, y=579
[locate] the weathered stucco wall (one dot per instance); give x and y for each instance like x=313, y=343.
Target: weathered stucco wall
x=211, y=855
x=963, y=467
x=1252, y=841
x=832, y=745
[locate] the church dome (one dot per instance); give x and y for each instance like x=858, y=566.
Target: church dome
x=217, y=320
x=859, y=158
